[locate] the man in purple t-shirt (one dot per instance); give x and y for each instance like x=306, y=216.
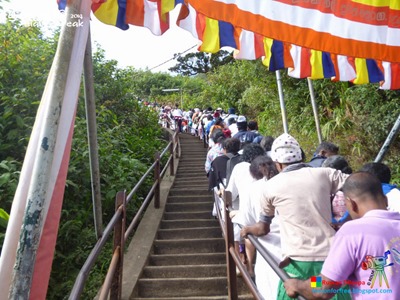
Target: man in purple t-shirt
x=365, y=254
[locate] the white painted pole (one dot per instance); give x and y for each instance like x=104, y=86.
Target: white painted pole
x=315, y=109
x=49, y=147
x=281, y=101
x=390, y=138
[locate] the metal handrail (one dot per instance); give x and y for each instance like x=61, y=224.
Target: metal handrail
x=139, y=183
x=136, y=220
x=105, y=290
x=119, y=213
x=87, y=266
x=254, y=240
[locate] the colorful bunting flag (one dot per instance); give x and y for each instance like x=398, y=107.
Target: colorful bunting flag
x=355, y=29
x=214, y=34
x=392, y=76
x=321, y=65
x=250, y=46
x=301, y=59
x=111, y=12
x=62, y=4
x=344, y=71
x=277, y=55
x=367, y=71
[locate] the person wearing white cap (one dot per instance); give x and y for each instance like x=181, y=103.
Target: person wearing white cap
x=300, y=195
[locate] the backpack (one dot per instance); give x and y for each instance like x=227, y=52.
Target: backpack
x=233, y=160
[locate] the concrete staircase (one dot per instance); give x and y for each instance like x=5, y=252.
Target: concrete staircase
x=188, y=258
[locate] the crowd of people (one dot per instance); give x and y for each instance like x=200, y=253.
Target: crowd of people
x=335, y=232
x=318, y=219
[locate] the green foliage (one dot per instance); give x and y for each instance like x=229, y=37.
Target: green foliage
x=128, y=137
x=201, y=63
x=3, y=225
x=3, y=218
x=9, y=175
x=23, y=74
x=357, y=118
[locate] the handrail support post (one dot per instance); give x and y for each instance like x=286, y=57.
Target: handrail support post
x=171, y=153
x=229, y=242
x=119, y=242
x=157, y=180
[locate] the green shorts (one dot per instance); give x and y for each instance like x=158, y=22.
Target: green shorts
x=304, y=270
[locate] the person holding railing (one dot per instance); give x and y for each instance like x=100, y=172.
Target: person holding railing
x=366, y=250
x=239, y=185
x=262, y=168
x=301, y=196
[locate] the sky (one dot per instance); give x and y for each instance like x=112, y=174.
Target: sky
x=136, y=47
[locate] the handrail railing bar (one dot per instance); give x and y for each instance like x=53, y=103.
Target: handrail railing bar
x=176, y=146
x=270, y=260
x=135, y=220
x=84, y=272
x=139, y=183
x=105, y=290
x=165, y=167
x=245, y=275
x=165, y=149
x=264, y=253
x=219, y=215
x=98, y=247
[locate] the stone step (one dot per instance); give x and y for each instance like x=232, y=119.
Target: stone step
x=196, y=163
x=189, y=206
x=199, y=174
x=193, y=156
x=189, y=153
x=194, y=182
x=193, y=198
x=188, y=215
x=191, y=181
x=183, y=287
x=193, y=165
x=193, y=171
x=182, y=224
x=189, y=246
x=185, y=271
x=189, y=191
x=189, y=233
x=187, y=259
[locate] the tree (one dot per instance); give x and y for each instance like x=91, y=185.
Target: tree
x=200, y=63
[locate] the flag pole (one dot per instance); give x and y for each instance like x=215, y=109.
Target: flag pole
x=390, y=138
x=281, y=101
x=43, y=175
x=92, y=137
x=315, y=109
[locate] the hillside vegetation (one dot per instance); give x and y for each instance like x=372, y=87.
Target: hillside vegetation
x=357, y=118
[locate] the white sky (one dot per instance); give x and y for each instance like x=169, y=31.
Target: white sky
x=136, y=47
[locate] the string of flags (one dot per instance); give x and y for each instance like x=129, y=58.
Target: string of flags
x=278, y=54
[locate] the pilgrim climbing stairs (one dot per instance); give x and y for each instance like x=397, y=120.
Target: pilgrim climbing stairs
x=187, y=260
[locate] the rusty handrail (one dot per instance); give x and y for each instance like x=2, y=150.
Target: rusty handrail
x=232, y=257
x=114, y=274
x=105, y=290
x=231, y=252
x=136, y=219
x=84, y=272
